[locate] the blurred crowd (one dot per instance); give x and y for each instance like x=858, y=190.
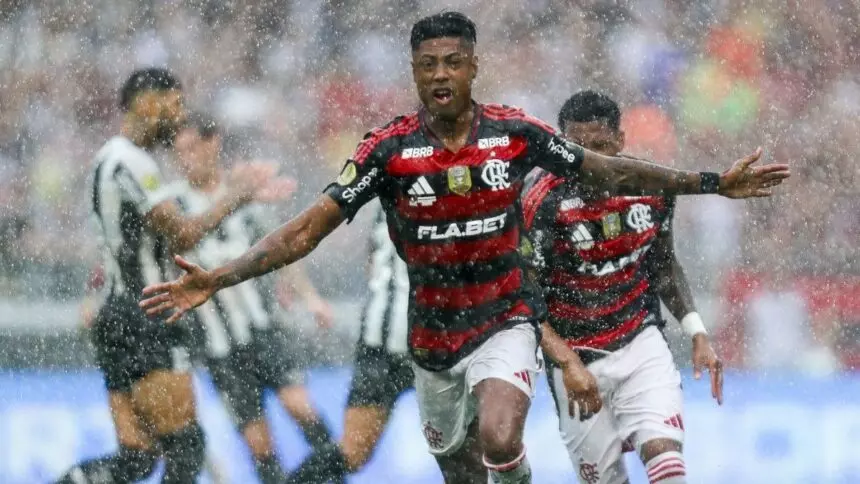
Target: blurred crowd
x=299, y=81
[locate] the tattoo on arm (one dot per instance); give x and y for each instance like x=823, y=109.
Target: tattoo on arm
x=629, y=176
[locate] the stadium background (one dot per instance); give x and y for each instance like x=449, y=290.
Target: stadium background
x=700, y=83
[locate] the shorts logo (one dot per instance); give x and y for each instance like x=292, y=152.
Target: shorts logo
x=487, y=143
x=422, y=152
x=588, y=472
x=525, y=376
x=495, y=174
x=639, y=218
x=432, y=435
x=675, y=421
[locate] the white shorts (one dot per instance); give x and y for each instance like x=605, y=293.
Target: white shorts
x=642, y=401
x=445, y=399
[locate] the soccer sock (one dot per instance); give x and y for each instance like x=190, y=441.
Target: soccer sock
x=269, y=469
x=127, y=465
x=326, y=464
x=184, y=453
x=667, y=468
x=316, y=432
x=517, y=471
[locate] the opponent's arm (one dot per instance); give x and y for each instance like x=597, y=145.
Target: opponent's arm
x=184, y=232
x=287, y=244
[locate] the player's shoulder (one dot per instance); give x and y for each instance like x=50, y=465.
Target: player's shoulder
x=514, y=117
x=539, y=189
x=386, y=138
x=123, y=152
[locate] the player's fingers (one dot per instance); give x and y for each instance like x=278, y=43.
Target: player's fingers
x=185, y=265
x=157, y=299
x=156, y=310
x=752, y=158
x=156, y=288
x=762, y=192
x=572, y=407
x=717, y=381
x=176, y=315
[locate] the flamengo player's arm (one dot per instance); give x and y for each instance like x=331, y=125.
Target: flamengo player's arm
x=287, y=244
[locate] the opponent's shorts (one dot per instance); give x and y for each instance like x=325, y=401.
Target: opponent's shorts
x=129, y=345
x=379, y=377
x=247, y=371
x=445, y=400
x=642, y=401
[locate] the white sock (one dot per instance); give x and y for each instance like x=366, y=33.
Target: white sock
x=517, y=471
x=667, y=468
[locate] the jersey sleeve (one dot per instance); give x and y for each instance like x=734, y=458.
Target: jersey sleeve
x=669, y=216
x=363, y=175
x=538, y=202
x=141, y=183
x=550, y=151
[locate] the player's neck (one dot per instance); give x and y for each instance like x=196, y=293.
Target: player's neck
x=452, y=133
x=135, y=133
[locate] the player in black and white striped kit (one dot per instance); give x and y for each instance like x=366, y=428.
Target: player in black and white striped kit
x=145, y=361
x=247, y=349
x=382, y=368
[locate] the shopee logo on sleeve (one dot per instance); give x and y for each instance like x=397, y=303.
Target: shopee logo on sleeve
x=350, y=193
x=562, y=149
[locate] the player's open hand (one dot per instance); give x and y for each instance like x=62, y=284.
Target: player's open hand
x=322, y=312
x=705, y=358
x=743, y=180
x=582, y=391
x=245, y=180
x=181, y=295
x=278, y=189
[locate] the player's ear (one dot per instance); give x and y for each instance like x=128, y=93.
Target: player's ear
x=620, y=139
x=474, y=67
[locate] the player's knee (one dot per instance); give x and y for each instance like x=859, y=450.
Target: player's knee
x=655, y=447
x=666, y=468
x=355, y=455
x=184, y=453
x=501, y=441
x=257, y=437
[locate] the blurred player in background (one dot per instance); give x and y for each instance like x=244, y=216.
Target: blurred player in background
x=449, y=178
x=145, y=362
x=247, y=348
x=605, y=263
x=382, y=368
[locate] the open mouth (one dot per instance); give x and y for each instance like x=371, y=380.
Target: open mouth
x=443, y=95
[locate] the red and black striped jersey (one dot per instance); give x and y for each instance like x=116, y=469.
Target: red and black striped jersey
x=455, y=220
x=594, y=260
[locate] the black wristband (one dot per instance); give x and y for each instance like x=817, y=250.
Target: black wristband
x=710, y=182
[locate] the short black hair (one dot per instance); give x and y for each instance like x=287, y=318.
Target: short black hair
x=142, y=80
x=586, y=106
x=443, y=24
x=204, y=124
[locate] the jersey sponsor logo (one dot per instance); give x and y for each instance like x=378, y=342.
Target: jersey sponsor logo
x=422, y=152
x=611, y=225
x=459, y=180
x=639, y=217
x=462, y=229
x=582, y=238
x=347, y=175
x=150, y=182
x=350, y=193
x=562, y=149
x=495, y=174
x=611, y=266
x=421, y=193
x=571, y=204
x=487, y=143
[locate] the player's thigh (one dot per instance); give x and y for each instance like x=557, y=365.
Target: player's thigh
x=648, y=404
x=363, y=427
x=446, y=408
x=165, y=398
x=258, y=437
x=130, y=430
x=502, y=374
x=379, y=378
x=593, y=445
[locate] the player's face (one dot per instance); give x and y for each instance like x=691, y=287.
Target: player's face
x=596, y=136
x=197, y=157
x=443, y=70
x=163, y=113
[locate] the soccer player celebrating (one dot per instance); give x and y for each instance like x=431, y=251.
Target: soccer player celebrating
x=605, y=262
x=146, y=362
x=449, y=177
x=383, y=371
x=247, y=350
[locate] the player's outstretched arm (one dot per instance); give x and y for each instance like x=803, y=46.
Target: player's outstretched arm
x=627, y=176
x=285, y=245
x=675, y=292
